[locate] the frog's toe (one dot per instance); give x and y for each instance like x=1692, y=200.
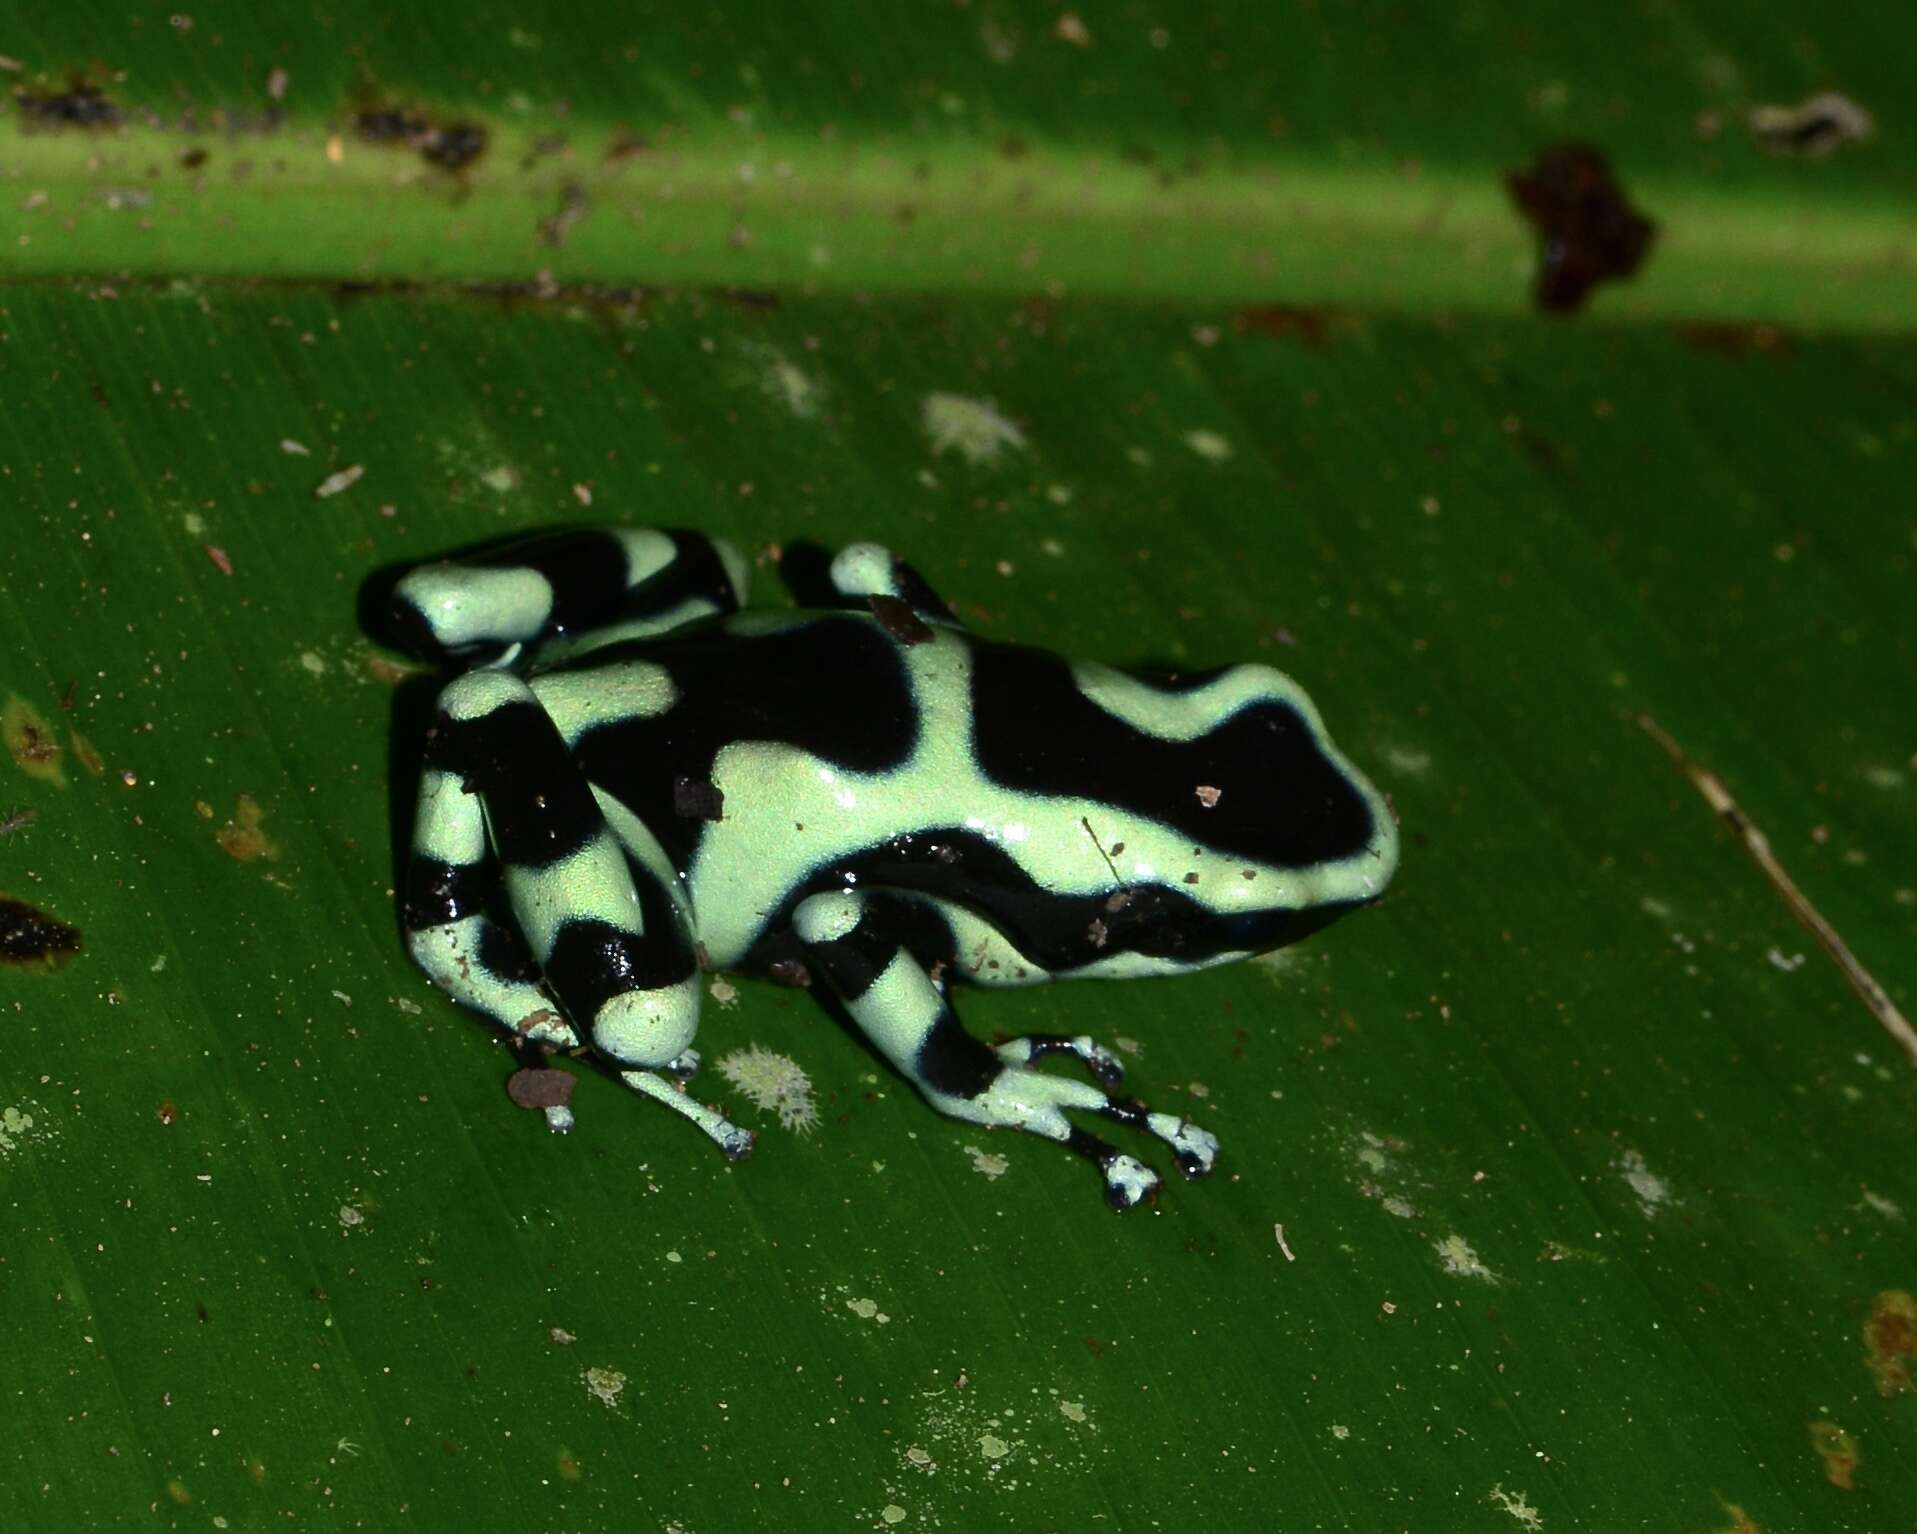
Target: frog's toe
x=1195, y=1149
x=1128, y=1181
x=682, y=1068
x=1100, y=1062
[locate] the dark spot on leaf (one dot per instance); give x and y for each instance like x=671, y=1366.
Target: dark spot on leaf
x=898, y=620
x=32, y=939
x=1283, y=321
x=1590, y=231
x=450, y=145
x=81, y=105
x=1735, y=340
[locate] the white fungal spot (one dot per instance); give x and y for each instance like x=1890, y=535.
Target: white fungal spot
x=785, y=381
x=1457, y=1258
x=1652, y=1191
x=988, y=1164
x=972, y=427
x=605, y=1385
x=295, y=449
x=1410, y=762
x=868, y=1310
x=775, y=1084
x=1518, y=1505
x=15, y=1126
x=1208, y=445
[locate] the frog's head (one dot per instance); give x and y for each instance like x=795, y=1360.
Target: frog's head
x=1235, y=824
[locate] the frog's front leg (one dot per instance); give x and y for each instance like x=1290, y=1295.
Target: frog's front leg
x=857, y=943
x=563, y=590
x=503, y=806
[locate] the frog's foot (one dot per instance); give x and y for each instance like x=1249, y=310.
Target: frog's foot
x=729, y=1137
x=852, y=939
x=1035, y=1101
x=1195, y=1149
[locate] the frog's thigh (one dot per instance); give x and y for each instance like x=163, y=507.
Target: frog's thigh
x=854, y=940
x=451, y=880
x=609, y=941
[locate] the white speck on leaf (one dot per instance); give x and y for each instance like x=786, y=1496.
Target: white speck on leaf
x=345, y=479
x=1208, y=445
x=295, y=449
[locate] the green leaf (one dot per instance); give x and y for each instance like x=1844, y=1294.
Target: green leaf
x=1564, y=1190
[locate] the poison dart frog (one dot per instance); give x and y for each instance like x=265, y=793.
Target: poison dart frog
x=634, y=779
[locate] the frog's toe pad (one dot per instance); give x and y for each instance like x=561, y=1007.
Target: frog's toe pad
x=1129, y=1182
x=1195, y=1148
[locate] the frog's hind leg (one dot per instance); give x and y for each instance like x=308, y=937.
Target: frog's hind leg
x=564, y=590
x=863, y=946
x=505, y=810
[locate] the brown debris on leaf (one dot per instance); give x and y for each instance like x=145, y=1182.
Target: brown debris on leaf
x=1890, y=1340
x=541, y=1087
x=242, y=838
x=1282, y=322
x=30, y=742
x=1589, y=229
x=899, y=620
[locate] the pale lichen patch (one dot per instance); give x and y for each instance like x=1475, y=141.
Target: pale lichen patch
x=1518, y=1505
x=604, y=1385
x=988, y=1164
x=1457, y=1258
x=973, y=428
x=16, y=1127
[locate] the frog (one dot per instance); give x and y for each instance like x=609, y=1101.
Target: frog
x=633, y=779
